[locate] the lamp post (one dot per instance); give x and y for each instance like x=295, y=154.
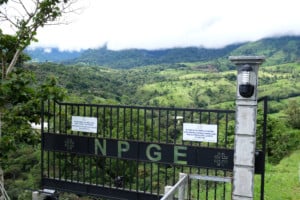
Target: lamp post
x=245, y=128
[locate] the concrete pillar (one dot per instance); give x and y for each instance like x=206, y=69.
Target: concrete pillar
x=245, y=128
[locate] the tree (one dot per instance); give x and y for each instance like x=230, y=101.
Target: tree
x=281, y=139
x=293, y=113
x=20, y=101
x=7, y=50
x=26, y=17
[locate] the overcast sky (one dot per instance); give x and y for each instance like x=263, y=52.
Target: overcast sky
x=153, y=24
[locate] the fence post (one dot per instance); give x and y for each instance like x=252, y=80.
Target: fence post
x=1, y=176
x=35, y=195
x=1, y=185
x=182, y=188
x=167, y=189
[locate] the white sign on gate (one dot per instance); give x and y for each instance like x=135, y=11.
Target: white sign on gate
x=84, y=124
x=200, y=132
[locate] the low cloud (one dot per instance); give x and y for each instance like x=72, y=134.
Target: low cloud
x=173, y=23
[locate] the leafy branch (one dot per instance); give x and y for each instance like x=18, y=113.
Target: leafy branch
x=26, y=19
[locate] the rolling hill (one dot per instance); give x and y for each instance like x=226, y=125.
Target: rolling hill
x=51, y=54
x=277, y=50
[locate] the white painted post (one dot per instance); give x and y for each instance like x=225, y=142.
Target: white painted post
x=35, y=195
x=1, y=176
x=245, y=128
x=1, y=184
x=167, y=189
x=182, y=187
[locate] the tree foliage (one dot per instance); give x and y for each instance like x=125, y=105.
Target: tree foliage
x=7, y=50
x=281, y=140
x=20, y=100
x=293, y=113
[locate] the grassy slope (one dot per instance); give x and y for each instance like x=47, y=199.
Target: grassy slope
x=282, y=182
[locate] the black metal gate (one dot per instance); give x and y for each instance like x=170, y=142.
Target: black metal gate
x=132, y=152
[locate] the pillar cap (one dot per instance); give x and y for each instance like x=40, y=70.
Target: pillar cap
x=238, y=60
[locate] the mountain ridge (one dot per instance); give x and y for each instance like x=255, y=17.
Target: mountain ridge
x=277, y=50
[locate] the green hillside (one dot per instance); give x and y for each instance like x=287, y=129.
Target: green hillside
x=183, y=85
x=131, y=58
x=167, y=78
x=277, y=50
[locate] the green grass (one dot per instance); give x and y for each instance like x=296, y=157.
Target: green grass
x=282, y=181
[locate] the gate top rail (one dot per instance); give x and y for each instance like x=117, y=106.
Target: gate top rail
x=145, y=107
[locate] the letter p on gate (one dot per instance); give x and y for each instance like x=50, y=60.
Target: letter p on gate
x=123, y=146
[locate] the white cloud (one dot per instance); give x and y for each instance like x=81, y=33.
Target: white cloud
x=155, y=24
x=47, y=50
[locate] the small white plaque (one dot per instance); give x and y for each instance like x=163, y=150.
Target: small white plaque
x=200, y=132
x=84, y=124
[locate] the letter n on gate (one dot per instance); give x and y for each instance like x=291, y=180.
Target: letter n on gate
x=101, y=147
